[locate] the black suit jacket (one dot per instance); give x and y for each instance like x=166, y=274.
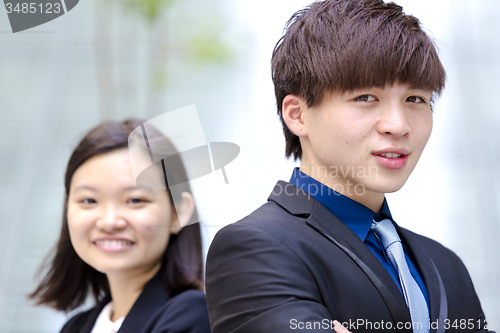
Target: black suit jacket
x=153, y=312
x=292, y=264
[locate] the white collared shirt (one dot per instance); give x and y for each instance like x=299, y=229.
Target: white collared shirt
x=103, y=324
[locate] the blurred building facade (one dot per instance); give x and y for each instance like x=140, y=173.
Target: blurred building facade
x=111, y=59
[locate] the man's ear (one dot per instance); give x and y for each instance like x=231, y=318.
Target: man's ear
x=293, y=113
x=184, y=212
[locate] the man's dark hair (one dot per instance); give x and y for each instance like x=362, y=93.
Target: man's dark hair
x=69, y=280
x=345, y=45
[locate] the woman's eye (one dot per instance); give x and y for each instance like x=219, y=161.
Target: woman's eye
x=415, y=99
x=366, y=98
x=88, y=201
x=136, y=200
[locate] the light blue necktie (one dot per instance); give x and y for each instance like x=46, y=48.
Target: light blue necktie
x=414, y=298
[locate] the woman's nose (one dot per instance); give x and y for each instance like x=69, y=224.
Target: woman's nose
x=111, y=219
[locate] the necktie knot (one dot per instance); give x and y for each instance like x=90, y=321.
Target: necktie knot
x=386, y=232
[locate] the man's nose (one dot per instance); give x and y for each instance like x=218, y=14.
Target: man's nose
x=394, y=121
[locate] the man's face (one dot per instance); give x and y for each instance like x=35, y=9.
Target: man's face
x=366, y=141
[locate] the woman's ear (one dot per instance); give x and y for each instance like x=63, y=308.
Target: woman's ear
x=294, y=108
x=184, y=212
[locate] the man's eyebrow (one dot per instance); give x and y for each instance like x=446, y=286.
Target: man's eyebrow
x=419, y=88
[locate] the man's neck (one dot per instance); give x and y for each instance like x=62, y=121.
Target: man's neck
x=370, y=199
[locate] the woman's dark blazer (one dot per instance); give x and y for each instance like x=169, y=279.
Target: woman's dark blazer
x=153, y=312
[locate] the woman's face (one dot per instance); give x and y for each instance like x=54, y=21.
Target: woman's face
x=114, y=225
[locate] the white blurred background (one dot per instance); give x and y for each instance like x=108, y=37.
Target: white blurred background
x=108, y=59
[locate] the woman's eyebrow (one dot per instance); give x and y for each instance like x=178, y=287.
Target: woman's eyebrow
x=134, y=188
x=125, y=189
x=85, y=187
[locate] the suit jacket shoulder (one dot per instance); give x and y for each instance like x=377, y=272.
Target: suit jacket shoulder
x=258, y=277
x=153, y=312
x=186, y=312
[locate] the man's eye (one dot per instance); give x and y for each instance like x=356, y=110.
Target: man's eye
x=88, y=201
x=366, y=98
x=415, y=99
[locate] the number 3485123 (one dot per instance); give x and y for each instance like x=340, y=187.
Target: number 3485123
x=32, y=8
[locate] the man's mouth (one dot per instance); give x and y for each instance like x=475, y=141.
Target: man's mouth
x=392, y=160
x=391, y=155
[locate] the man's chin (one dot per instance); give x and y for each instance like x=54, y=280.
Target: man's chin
x=389, y=186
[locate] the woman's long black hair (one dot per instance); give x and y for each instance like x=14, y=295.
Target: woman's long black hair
x=69, y=280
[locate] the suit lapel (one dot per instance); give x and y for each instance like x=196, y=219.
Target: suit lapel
x=152, y=297
x=320, y=219
x=437, y=295
x=92, y=317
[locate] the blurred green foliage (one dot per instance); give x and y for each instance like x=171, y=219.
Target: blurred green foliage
x=183, y=36
x=150, y=9
x=202, y=41
x=207, y=44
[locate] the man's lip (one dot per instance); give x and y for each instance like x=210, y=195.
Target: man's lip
x=401, y=151
x=391, y=163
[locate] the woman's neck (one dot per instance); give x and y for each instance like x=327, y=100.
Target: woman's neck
x=125, y=289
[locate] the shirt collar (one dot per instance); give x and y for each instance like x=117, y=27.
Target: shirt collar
x=104, y=323
x=355, y=215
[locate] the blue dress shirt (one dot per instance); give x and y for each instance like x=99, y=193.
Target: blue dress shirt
x=359, y=219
